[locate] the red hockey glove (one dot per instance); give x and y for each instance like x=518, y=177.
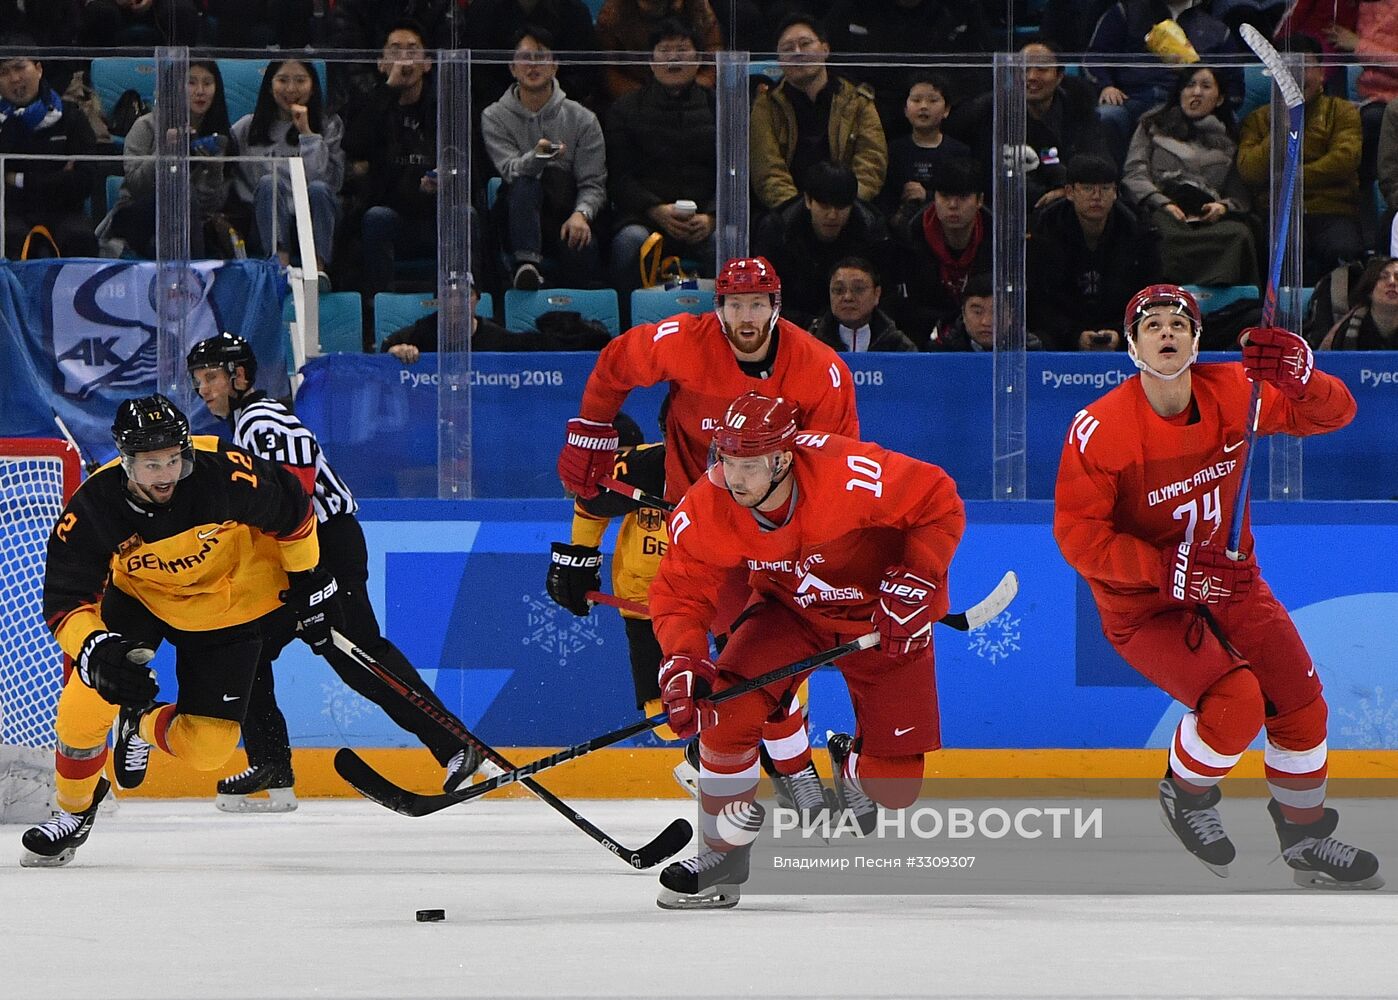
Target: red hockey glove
x=1202, y=573
x=589, y=453
x=1271, y=354
x=903, y=616
x=684, y=682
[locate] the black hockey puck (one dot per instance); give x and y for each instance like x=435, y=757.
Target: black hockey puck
x=430, y=916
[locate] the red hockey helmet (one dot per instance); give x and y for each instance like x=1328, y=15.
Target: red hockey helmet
x=756, y=425
x=1161, y=295
x=748, y=274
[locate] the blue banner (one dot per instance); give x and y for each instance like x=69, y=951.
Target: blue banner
x=80, y=336
x=377, y=418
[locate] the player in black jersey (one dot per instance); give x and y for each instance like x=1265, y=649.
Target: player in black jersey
x=224, y=370
x=181, y=540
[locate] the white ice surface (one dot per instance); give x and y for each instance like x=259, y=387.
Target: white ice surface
x=173, y=899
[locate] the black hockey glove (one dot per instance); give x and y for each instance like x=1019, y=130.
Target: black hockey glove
x=573, y=571
x=115, y=667
x=314, y=598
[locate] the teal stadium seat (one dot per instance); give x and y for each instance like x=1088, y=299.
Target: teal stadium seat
x=651, y=305
x=112, y=76
x=395, y=310
x=113, y=189
x=341, y=322
x=1212, y=298
x=522, y=309
x=243, y=77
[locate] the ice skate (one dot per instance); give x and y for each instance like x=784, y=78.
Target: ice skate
x=687, y=770
x=864, y=810
x=1320, y=861
x=711, y=879
x=53, y=842
x=130, y=753
x=802, y=792
x=1194, y=821
x=235, y=793
x=463, y=764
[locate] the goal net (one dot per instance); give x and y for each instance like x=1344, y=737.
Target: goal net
x=37, y=476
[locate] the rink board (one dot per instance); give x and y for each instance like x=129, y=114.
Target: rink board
x=460, y=588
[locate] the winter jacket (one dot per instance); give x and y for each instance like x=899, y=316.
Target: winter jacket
x=209, y=180
x=320, y=152
x=661, y=148
x=1155, y=159
x=1377, y=29
x=623, y=27
x=49, y=189
x=400, y=144
x=884, y=334
x=804, y=262
x=1122, y=31
x=855, y=136
x=511, y=131
x=1072, y=287
x=1388, y=155
x=1329, y=155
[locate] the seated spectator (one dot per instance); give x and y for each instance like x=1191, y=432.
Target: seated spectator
x=1388, y=172
x=1375, y=35
x=363, y=24
x=109, y=23
x=884, y=27
x=391, y=149
x=812, y=116
x=1087, y=255
x=1130, y=91
x=805, y=239
x=495, y=24
x=1070, y=23
x=660, y=152
x=289, y=119
x=913, y=159
x=256, y=24
x=552, y=159
x=1059, y=122
x=132, y=218
x=947, y=242
x=1180, y=169
x=420, y=337
x=854, y=321
x=972, y=328
x=1330, y=151
x=1371, y=322
x=628, y=26
x=50, y=193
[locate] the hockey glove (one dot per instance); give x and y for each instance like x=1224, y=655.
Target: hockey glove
x=115, y=667
x=1271, y=354
x=314, y=598
x=903, y=616
x=589, y=453
x=1202, y=573
x=573, y=571
x=685, y=681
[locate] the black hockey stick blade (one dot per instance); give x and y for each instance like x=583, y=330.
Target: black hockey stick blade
x=377, y=788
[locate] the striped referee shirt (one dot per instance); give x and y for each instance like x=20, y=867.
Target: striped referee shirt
x=269, y=430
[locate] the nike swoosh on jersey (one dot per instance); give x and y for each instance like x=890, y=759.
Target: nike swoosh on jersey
x=203, y=535
x=231, y=697
x=900, y=732
x=1232, y=447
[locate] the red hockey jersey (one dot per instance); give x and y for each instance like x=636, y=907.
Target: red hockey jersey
x=857, y=510
x=1132, y=482
x=693, y=355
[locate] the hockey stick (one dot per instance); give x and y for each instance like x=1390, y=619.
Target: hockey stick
x=1295, y=114
x=620, y=603
x=89, y=465
x=973, y=617
x=643, y=498
x=375, y=786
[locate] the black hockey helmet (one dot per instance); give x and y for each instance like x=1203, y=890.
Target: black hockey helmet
x=150, y=424
x=226, y=351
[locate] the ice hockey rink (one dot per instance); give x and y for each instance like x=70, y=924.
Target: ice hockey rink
x=173, y=899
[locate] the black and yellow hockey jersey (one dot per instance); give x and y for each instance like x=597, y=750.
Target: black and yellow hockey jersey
x=643, y=535
x=217, y=555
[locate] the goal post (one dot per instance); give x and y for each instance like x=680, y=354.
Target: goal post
x=37, y=477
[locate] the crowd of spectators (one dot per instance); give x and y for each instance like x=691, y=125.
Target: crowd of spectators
x=871, y=179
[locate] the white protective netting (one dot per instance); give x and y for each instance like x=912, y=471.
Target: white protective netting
x=36, y=479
